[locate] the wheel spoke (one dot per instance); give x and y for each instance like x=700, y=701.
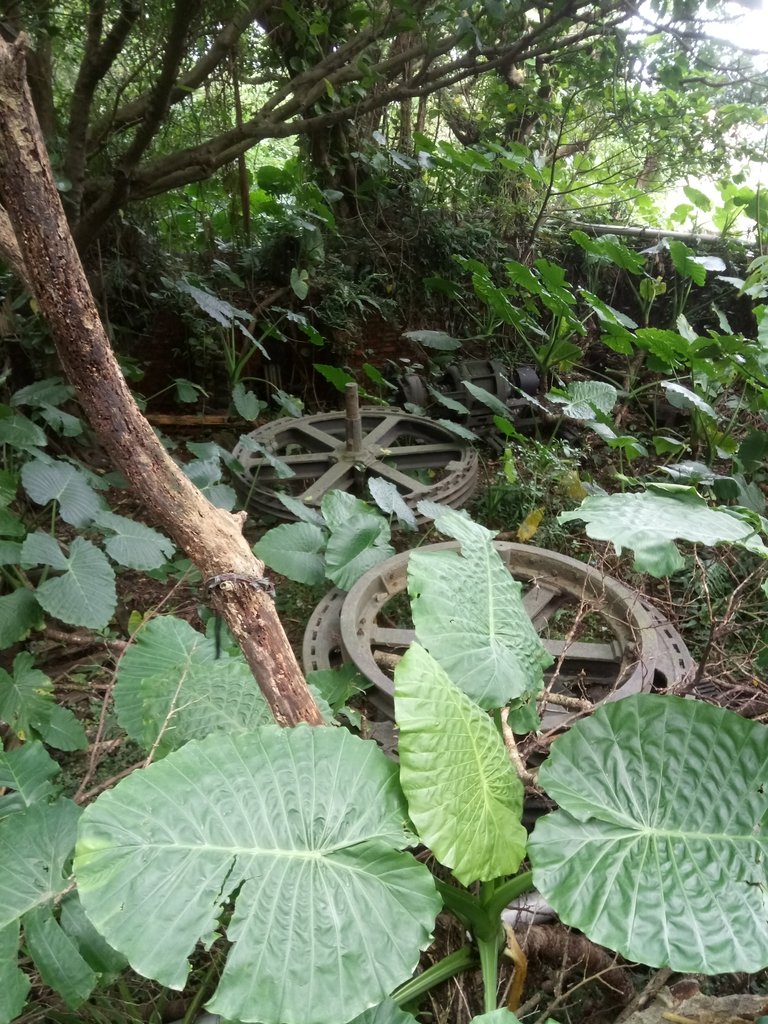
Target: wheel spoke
x=335, y=476
x=392, y=473
x=305, y=467
x=385, y=636
x=308, y=430
x=609, y=653
x=408, y=450
x=376, y=434
x=300, y=458
x=537, y=600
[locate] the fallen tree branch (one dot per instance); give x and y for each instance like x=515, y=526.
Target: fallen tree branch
x=211, y=537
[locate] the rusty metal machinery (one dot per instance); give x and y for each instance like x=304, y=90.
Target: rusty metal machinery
x=627, y=646
x=509, y=385
x=341, y=450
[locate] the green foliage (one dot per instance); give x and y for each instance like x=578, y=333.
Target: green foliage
x=84, y=594
x=468, y=613
x=278, y=831
x=48, y=481
x=25, y=774
x=537, y=303
x=242, y=823
x=463, y=794
x=434, y=339
x=36, y=846
x=584, y=400
x=648, y=523
x=133, y=544
x=640, y=791
x=173, y=686
x=342, y=544
x=28, y=708
x=73, y=582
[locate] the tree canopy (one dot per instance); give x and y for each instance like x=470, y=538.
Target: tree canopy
x=139, y=98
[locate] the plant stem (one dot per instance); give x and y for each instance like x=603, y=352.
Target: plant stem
x=489, y=965
x=507, y=891
x=444, y=969
x=200, y=996
x=488, y=946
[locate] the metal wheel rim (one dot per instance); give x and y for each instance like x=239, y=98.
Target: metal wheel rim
x=324, y=461
x=649, y=653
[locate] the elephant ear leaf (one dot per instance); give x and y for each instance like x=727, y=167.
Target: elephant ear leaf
x=649, y=523
x=295, y=838
x=468, y=613
x=463, y=794
x=660, y=846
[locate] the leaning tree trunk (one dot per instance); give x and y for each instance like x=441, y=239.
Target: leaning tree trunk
x=212, y=538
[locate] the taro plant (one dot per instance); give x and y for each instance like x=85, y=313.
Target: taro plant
x=47, y=572
x=649, y=522
x=288, y=851
x=238, y=345
x=537, y=304
x=341, y=541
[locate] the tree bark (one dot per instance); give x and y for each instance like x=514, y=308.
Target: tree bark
x=211, y=537
x=99, y=57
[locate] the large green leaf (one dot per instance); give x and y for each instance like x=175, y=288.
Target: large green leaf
x=9, y=483
x=206, y=475
x=282, y=470
x=35, y=848
x=10, y=524
x=78, y=503
x=355, y=547
x=359, y=538
x=19, y=432
x=57, y=958
x=434, y=339
x=610, y=249
x=338, y=506
x=10, y=552
x=14, y=984
x=171, y=687
x=294, y=550
x=62, y=422
x=682, y=397
x=463, y=794
x=134, y=544
x=28, y=707
x=19, y=615
x=85, y=594
x=648, y=523
x=493, y=402
x=387, y=1012
x=583, y=399
x=660, y=848
x=26, y=771
x=92, y=947
x=300, y=510
x=468, y=613
x=246, y=403
x=304, y=829
x=50, y=391
x=686, y=264
x=667, y=346
x=500, y=1016
x=390, y=501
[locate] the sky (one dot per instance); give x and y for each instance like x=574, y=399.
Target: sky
x=747, y=28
